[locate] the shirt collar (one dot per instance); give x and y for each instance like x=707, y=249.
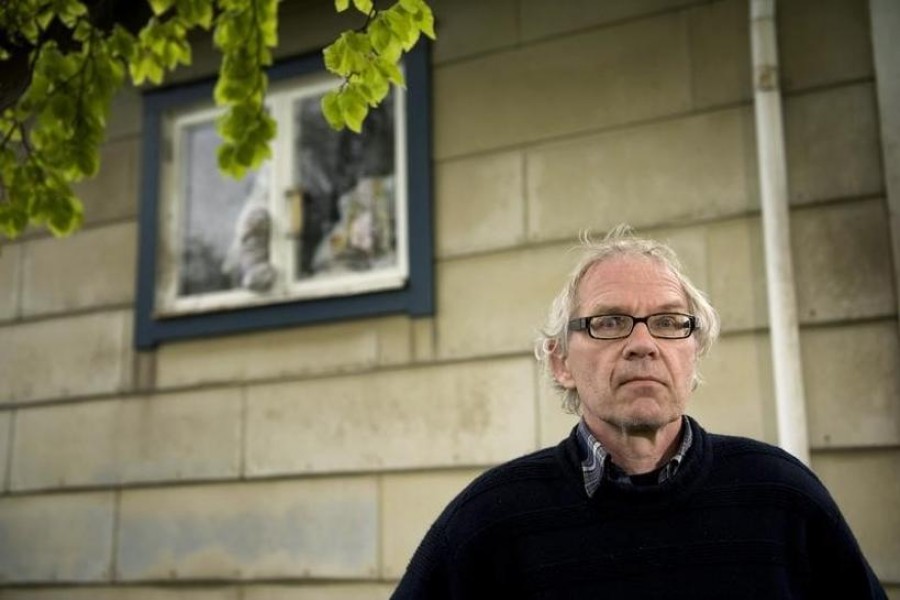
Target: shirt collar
x=594, y=465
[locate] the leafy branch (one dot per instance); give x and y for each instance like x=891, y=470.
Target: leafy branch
x=368, y=60
x=62, y=62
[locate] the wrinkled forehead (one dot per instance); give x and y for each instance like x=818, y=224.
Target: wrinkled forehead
x=615, y=281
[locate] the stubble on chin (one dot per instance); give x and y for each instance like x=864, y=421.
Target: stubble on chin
x=632, y=422
x=644, y=427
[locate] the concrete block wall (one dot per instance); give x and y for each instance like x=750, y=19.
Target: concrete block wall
x=308, y=462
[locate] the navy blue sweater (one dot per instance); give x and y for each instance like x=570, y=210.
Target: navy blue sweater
x=741, y=519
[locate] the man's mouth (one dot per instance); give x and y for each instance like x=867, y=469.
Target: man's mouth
x=640, y=380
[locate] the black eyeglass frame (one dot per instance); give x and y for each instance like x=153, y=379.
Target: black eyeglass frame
x=584, y=324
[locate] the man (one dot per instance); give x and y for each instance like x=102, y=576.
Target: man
x=639, y=501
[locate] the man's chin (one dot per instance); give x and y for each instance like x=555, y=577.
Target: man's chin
x=644, y=422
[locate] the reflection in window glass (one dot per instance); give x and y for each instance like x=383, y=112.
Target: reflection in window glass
x=346, y=185
x=221, y=215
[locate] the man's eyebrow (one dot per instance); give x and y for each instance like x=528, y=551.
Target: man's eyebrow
x=617, y=309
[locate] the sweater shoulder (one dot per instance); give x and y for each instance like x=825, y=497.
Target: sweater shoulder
x=745, y=462
x=528, y=484
x=535, y=469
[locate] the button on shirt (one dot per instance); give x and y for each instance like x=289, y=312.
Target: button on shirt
x=597, y=464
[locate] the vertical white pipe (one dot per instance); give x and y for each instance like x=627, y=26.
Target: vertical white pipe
x=790, y=399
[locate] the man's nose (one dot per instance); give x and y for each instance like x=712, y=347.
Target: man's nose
x=640, y=343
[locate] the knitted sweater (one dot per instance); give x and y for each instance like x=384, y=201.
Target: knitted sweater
x=741, y=519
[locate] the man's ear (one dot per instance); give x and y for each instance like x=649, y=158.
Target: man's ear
x=561, y=372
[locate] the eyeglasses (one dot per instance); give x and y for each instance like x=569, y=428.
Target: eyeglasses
x=670, y=326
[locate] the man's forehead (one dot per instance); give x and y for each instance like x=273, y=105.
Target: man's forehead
x=649, y=278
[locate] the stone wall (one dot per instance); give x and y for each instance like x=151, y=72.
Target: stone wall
x=308, y=462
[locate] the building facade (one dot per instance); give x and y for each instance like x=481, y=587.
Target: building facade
x=308, y=461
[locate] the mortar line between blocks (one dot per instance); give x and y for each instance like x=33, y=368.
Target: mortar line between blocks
x=114, y=546
x=525, y=199
x=19, y=282
x=379, y=527
x=242, y=434
x=11, y=431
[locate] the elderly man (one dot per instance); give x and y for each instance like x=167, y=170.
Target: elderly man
x=639, y=501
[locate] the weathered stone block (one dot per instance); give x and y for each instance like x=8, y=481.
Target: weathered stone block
x=410, y=504
x=321, y=528
x=832, y=144
x=10, y=280
x=691, y=245
x=125, y=114
x=497, y=303
x=842, y=261
x=58, y=538
x=94, y=268
x=460, y=414
x=737, y=396
x=635, y=71
x=469, y=27
x=852, y=384
x=113, y=193
x=324, y=591
x=6, y=418
x=866, y=486
x=423, y=339
x=823, y=41
x=737, y=274
x=153, y=438
x=329, y=348
x=720, y=53
x=395, y=340
x=61, y=358
x=689, y=168
x=542, y=19
x=480, y=203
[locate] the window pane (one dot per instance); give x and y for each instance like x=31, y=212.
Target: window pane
x=347, y=190
x=218, y=212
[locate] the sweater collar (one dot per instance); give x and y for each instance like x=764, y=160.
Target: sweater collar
x=596, y=464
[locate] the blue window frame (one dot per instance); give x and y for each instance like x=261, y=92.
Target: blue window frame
x=164, y=311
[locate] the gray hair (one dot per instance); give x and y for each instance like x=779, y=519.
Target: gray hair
x=621, y=241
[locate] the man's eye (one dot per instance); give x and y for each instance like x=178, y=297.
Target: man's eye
x=670, y=322
x=667, y=322
x=608, y=322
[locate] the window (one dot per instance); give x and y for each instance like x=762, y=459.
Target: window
x=335, y=225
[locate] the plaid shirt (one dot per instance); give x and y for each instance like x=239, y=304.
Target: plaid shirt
x=595, y=466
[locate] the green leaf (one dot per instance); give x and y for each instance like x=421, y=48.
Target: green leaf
x=88, y=160
x=375, y=86
x=341, y=5
x=122, y=43
x=336, y=59
x=67, y=216
x=363, y=6
x=354, y=108
x=44, y=18
x=380, y=34
x=68, y=11
x=160, y=6
x=425, y=21
x=225, y=158
x=399, y=23
x=332, y=110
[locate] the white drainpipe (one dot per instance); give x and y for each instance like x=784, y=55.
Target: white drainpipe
x=790, y=400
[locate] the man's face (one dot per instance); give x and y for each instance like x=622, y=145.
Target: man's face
x=638, y=383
